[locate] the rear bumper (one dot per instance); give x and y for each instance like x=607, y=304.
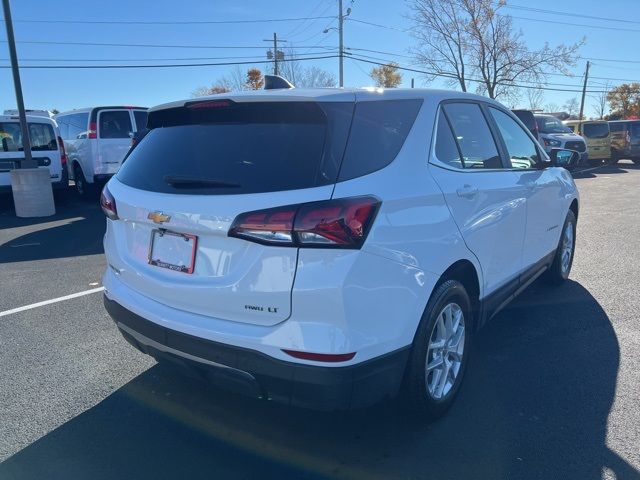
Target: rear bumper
x=102, y=177
x=258, y=375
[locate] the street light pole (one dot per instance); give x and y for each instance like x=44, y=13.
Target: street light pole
x=28, y=161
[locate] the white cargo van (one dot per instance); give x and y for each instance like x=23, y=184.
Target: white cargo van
x=97, y=139
x=46, y=146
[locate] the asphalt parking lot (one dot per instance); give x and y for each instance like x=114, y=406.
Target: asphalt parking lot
x=552, y=390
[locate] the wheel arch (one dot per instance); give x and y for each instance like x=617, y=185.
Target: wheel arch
x=574, y=207
x=465, y=272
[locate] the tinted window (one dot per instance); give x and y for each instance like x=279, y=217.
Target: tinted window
x=526, y=117
x=473, y=135
x=141, y=119
x=41, y=135
x=522, y=150
x=77, y=125
x=63, y=127
x=114, y=124
x=549, y=124
x=446, y=148
x=595, y=130
x=616, y=127
x=635, y=129
x=378, y=132
x=260, y=147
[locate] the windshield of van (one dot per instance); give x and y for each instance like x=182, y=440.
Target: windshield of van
x=595, y=130
x=549, y=124
x=41, y=135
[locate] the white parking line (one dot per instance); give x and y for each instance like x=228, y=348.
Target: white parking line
x=53, y=300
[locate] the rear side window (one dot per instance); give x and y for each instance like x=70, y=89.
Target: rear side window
x=473, y=135
x=595, y=130
x=114, y=124
x=77, y=125
x=41, y=135
x=635, y=129
x=378, y=132
x=140, y=117
x=236, y=148
x=446, y=148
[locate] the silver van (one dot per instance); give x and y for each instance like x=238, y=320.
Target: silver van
x=97, y=139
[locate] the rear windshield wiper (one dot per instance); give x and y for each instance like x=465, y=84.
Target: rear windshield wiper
x=188, y=181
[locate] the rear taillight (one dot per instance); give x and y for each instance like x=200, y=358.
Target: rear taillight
x=339, y=223
x=93, y=130
x=63, y=153
x=108, y=204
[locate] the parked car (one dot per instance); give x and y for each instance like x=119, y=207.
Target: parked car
x=625, y=140
x=553, y=134
x=96, y=140
x=597, y=135
x=331, y=248
x=46, y=146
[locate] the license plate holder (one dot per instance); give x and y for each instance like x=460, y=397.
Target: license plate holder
x=172, y=250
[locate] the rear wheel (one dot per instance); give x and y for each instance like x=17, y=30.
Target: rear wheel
x=440, y=352
x=563, y=259
x=79, y=181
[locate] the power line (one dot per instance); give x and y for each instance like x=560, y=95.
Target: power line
x=145, y=45
x=453, y=76
x=568, y=14
x=172, y=22
x=376, y=25
x=165, y=65
x=175, y=59
x=557, y=22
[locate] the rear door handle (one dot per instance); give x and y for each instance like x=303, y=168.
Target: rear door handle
x=467, y=191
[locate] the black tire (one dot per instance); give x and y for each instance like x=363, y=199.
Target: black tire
x=416, y=395
x=559, y=272
x=81, y=187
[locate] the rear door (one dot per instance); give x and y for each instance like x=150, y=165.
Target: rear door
x=199, y=168
x=115, y=130
x=485, y=198
x=44, y=148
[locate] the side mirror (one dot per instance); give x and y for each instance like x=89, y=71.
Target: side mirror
x=561, y=157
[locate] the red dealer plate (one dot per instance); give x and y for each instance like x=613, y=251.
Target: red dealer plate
x=172, y=250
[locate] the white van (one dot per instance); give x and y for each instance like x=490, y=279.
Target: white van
x=97, y=139
x=46, y=146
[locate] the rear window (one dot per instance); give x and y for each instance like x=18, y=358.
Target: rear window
x=41, y=135
x=635, y=130
x=616, y=127
x=595, y=130
x=235, y=148
x=114, y=124
x=378, y=132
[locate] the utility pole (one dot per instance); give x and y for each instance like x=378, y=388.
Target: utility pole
x=277, y=55
x=412, y=84
x=28, y=161
x=584, y=93
x=341, y=47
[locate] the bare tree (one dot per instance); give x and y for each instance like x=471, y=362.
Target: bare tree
x=471, y=40
x=551, y=107
x=535, y=97
x=572, y=106
x=439, y=26
x=305, y=77
x=600, y=102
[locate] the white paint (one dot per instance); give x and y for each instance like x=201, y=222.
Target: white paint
x=49, y=302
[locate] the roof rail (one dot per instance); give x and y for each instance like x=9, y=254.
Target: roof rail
x=275, y=82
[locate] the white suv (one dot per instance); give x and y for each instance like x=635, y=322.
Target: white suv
x=330, y=248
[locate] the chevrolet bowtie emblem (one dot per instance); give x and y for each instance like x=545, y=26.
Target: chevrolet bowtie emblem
x=158, y=217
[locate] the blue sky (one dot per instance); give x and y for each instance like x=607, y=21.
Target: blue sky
x=65, y=89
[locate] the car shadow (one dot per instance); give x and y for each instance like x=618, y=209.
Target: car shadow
x=623, y=166
x=76, y=229
x=535, y=404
